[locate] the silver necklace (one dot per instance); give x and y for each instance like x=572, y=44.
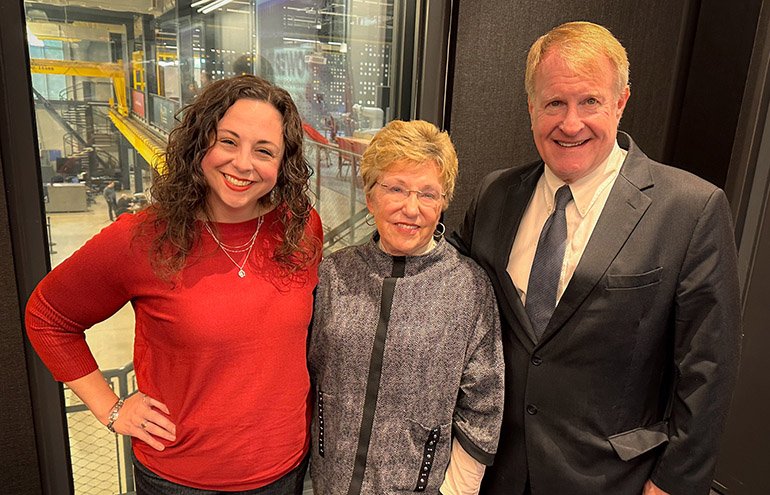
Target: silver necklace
x=237, y=249
x=233, y=249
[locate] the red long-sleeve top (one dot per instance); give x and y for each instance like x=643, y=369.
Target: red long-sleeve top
x=225, y=354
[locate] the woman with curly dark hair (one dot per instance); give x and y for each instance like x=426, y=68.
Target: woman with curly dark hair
x=220, y=270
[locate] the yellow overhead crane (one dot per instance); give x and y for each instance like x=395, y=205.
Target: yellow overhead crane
x=149, y=147
x=87, y=69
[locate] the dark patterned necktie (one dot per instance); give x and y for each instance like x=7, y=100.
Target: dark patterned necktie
x=546, y=267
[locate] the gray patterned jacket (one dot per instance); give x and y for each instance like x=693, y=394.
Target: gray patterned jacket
x=405, y=355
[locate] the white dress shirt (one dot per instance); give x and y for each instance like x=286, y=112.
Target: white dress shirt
x=589, y=197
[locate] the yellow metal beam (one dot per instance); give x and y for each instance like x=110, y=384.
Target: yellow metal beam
x=150, y=147
x=87, y=69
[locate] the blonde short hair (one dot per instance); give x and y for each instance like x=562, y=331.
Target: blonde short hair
x=415, y=142
x=581, y=45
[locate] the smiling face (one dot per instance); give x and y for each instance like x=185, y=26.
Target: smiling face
x=242, y=164
x=405, y=226
x=575, y=116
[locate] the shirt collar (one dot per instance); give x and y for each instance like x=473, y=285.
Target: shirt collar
x=586, y=190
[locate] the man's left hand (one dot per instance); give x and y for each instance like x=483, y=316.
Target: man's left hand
x=651, y=489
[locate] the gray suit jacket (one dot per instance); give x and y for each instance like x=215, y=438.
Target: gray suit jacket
x=633, y=376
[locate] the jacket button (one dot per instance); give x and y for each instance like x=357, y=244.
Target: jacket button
x=536, y=360
x=531, y=409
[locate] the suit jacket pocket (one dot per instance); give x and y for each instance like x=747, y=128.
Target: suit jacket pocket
x=633, y=443
x=634, y=281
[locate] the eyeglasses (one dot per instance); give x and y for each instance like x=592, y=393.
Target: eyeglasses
x=400, y=193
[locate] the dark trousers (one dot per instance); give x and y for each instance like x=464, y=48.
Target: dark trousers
x=149, y=483
x=112, y=208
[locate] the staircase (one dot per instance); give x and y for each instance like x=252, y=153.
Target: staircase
x=85, y=140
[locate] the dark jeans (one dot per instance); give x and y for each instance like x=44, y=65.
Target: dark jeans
x=149, y=483
x=112, y=209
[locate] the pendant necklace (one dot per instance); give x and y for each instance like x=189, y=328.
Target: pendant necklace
x=247, y=246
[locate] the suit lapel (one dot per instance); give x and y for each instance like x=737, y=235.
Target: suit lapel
x=516, y=201
x=625, y=206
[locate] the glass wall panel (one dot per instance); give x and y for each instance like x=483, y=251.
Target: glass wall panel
x=109, y=79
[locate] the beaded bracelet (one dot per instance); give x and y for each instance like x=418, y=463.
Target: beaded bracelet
x=114, y=414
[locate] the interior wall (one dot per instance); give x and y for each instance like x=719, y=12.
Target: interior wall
x=51, y=134
x=33, y=444
x=18, y=455
x=20, y=473
x=744, y=457
x=702, y=141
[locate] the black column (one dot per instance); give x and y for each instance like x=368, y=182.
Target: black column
x=744, y=457
x=125, y=173
x=33, y=447
x=140, y=166
x=148, y=43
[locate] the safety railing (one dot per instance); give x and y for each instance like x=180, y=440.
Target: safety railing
x=339, y=194
x=78, y=91
x=101, y=460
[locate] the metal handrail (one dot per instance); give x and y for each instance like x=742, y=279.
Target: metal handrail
x=346, y=228
x=340, y=231
x=69, y=92
x=126, y=388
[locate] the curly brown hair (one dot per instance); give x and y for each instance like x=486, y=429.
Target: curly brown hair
x=179, y=192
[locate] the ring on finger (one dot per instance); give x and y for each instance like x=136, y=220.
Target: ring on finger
x=143, y=425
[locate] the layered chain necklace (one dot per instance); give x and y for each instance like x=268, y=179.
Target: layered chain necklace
x=246, y=246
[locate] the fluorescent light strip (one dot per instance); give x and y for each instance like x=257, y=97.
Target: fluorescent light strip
x=213, y=6
x=300, y=40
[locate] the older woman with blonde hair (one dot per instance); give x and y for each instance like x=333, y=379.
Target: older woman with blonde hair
x=405, y=353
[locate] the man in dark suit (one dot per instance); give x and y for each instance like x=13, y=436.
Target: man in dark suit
x=617, y=285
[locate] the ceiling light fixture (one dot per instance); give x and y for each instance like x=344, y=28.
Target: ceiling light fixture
x=213, y=6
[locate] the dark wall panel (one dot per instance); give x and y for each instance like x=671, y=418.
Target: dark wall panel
x=488, y=112
x=716, y=78
x=744, y=456
x=33, y=444
x=19, y=471
x=18, y=456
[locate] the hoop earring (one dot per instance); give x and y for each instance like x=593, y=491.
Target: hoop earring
x=369, y=220
x=439, y=232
